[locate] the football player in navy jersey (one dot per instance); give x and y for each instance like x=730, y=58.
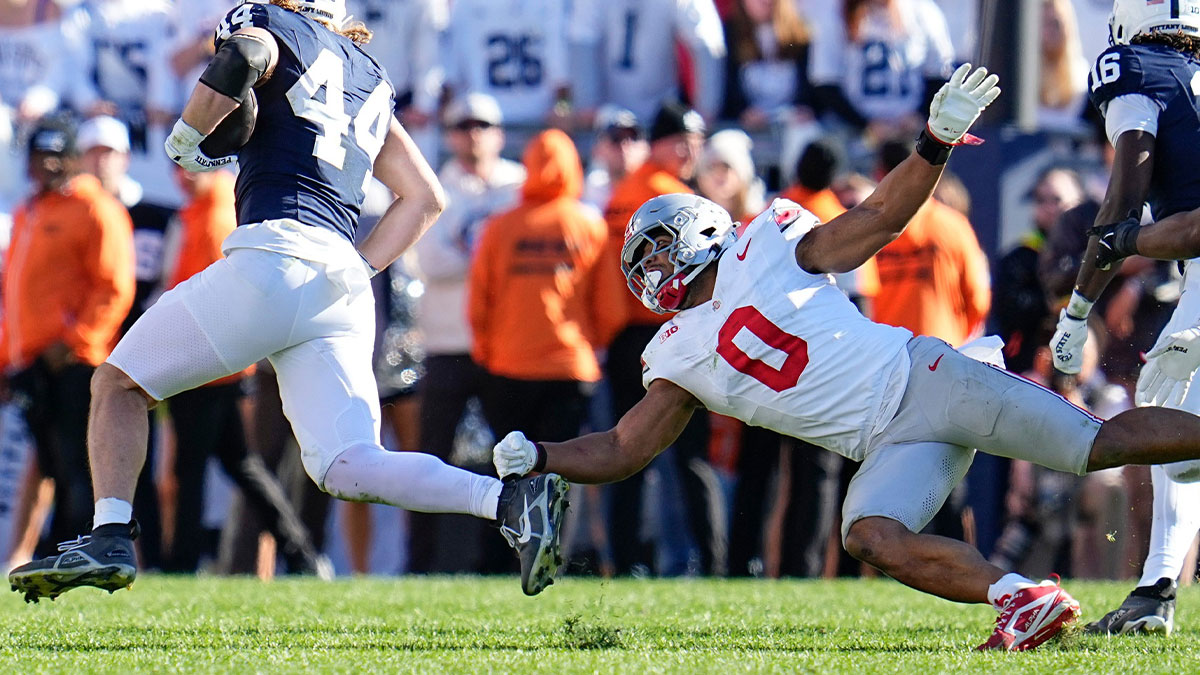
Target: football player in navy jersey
x=294, y=288
x=1146, y=86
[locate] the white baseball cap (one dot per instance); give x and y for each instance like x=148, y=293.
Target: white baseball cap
x=474, y=107
x=103, y=131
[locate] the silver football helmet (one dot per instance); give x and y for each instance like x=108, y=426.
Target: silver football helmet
x=1130, y=18
x=699, y=232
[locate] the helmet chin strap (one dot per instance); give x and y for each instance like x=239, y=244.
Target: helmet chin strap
x=671, y=296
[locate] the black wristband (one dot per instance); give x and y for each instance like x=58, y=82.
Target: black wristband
x=540, y=464
x=931, y=149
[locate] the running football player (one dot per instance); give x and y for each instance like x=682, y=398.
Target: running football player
x=292, y=288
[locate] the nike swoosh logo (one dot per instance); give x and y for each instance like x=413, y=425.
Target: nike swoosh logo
x=934, y=365
x=742, y=255
x=526, y=527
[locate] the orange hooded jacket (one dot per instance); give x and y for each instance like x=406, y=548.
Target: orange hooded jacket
x=648, y=181
x=68, y=274
x=934, y=278
x=530, y=301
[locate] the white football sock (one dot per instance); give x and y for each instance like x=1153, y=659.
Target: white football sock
x=411, y=480
x=1176, y=519
x=1005, y=586
x=112, y=510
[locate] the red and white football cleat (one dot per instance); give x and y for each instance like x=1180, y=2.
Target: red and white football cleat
x=1031, y=616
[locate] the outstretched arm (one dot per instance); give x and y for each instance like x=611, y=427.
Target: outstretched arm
x=640, y=435
x=852, y=238
x=1127, y=190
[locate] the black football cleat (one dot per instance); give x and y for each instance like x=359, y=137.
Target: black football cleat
x=1147, y=609
x=103, y=559
x=530, y=516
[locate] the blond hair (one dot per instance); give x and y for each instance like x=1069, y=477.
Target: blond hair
x=356, y=32
x=1062, y=75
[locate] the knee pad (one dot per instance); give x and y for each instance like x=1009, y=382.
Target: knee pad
x=1183, y=472
x=340, y=479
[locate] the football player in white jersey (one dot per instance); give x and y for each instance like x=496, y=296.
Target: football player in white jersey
x=625, y=53
x=512, y=50
x=764, y=335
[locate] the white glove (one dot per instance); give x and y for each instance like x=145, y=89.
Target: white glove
x=1167, y=375
x=1067, y=343
x=959, y=102
x=515, y=455
x=183, y=147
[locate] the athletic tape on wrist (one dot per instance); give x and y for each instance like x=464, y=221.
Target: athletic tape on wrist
x=185, y=137
x=1079, y=307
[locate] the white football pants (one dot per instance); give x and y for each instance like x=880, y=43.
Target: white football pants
x=315, y=322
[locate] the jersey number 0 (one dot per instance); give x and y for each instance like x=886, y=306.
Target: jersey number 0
x=779, y=379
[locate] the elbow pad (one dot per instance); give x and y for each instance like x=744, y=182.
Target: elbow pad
x=237, y=65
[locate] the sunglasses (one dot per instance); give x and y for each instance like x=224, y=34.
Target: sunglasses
x=471, y=125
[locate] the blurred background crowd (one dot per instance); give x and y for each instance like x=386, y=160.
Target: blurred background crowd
x=594, y=106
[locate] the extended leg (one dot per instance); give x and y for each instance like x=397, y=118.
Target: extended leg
x=944, y=567
x=1146, y=436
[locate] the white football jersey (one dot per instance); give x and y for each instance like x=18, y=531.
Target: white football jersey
x=406, y=43
x=883, y=71
x=130, y=45
x=780, y=348
x=640, y=69
x=514, y=50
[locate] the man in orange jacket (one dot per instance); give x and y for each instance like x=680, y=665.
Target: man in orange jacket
x=68, y=283
x=532, y=304
x=676, y=142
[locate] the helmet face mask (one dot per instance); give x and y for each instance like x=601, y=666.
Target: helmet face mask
x=1131, y=18
x=690, y=230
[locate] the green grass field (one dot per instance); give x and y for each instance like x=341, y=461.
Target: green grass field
x=451, y=625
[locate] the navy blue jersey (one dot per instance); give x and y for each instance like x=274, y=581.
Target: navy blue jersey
x=1172, y=80
x=322, y=118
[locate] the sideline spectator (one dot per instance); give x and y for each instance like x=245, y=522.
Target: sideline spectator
x=767, y=68
x=620, y=148
x=1022, y=313
x=933, y=278
x=532, y=304
x=36, y=77
x=478, y=183
x=676, y=142
x=126, y=73
x=878, y=64
x=68, y=283
x=624, y=52
x=104, y=153
x=727, y=177
x=1062, y=70
x=514, y=51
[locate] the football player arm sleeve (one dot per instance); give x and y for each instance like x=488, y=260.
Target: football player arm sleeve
x=240, y=62
x=419, y=202
x=640, y=435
